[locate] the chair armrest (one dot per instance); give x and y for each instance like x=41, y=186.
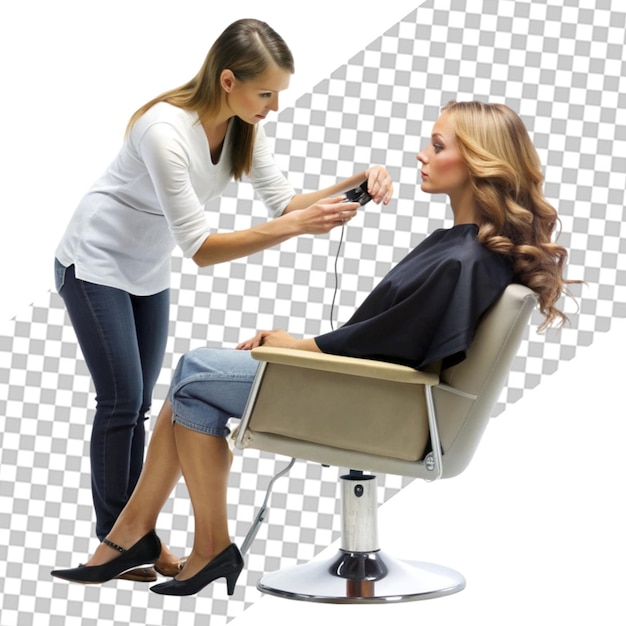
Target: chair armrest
x=367, y=368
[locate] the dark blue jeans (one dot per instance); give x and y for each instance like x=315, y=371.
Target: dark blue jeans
x=122, y=338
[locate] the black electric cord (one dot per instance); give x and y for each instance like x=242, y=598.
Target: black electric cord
x=360, y=195
x=332, y=304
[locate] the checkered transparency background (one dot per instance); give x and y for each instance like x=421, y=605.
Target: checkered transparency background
x=559, y=64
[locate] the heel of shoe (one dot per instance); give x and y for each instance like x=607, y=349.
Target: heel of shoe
x=231, y=581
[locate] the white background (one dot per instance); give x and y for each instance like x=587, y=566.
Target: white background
x=537, y=522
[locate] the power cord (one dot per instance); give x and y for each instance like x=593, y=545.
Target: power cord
x=332, y=304
x=358, y=194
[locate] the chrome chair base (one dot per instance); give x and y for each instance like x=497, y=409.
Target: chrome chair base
x=362, y=578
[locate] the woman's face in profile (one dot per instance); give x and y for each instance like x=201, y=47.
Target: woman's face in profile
x=252, y=100
x=443, y=168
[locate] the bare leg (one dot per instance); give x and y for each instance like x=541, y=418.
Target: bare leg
x=205, y=462
x=161, y=472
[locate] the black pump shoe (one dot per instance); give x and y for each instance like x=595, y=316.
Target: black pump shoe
x=145, y=552
x=227, y=564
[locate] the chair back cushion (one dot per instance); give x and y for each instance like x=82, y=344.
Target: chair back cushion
x=483, y=373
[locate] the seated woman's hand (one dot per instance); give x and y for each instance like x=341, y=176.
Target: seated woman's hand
x=273, y=338
x=278, y=339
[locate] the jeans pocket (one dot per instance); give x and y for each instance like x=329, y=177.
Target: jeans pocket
x=59, y=275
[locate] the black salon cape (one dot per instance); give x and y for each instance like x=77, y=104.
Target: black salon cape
x=427, y=307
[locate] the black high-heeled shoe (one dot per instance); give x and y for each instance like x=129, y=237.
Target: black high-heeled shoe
x=227, y=564
x=145, y=552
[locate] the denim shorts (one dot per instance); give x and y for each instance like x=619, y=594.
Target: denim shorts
x=209, y=387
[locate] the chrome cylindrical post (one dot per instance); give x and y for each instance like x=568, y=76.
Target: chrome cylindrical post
x=359, y=532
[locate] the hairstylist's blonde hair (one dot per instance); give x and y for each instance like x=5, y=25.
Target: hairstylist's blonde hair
x=248, y=48
x=507, y=181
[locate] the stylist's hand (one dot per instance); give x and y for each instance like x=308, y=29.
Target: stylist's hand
x=379, y=184
x=323, y=216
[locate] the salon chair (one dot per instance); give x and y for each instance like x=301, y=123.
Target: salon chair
x=372, y=416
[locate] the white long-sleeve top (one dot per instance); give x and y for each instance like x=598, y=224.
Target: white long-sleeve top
x=151, y=198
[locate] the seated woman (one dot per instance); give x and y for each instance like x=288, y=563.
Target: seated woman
x=424, y=310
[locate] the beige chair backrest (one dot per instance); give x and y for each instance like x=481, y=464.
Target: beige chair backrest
x=483, y=373
x=374, y=416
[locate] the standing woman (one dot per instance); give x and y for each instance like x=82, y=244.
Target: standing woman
x=112, y=265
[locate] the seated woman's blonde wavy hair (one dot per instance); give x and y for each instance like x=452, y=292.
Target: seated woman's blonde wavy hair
x=507, y=180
